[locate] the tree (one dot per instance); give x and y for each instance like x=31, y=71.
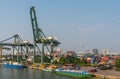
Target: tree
x=117, y=64
x=62, y=60
x=68, y=60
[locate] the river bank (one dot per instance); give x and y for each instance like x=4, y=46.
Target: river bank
x=105, y=74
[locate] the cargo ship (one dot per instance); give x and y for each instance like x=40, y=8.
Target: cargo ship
x=13, y=65
x=74, y=73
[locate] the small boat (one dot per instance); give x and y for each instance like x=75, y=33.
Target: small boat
x=50, y=68
x=14, y=65
x=74, y=73
x=47, y=70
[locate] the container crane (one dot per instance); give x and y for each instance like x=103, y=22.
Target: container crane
x=39, y=36
x=17, y=44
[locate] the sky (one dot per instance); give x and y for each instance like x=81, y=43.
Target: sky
x=77, y=24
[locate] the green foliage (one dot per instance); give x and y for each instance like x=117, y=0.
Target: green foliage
x=14, y=58
x=37, y=59
x=83, y=61
x=46, y=59
x=117, y=63
x=62, y=60
x=69, y=60
x=55, y=62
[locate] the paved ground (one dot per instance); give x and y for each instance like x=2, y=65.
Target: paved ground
x=110, y=72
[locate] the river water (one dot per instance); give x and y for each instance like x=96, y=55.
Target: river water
x=6, y=73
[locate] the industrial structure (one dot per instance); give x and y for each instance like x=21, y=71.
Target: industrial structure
x=40, y=38
x=17, y=44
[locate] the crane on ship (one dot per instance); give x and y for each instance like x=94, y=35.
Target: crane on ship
x=40, y=37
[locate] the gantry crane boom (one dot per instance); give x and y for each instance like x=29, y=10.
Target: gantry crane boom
x=39, y=36
x=37, y=32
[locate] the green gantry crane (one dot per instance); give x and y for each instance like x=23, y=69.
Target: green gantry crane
x=17, y=44
x=39, y=36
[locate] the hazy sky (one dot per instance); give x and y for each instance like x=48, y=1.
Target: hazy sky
x=77, y=24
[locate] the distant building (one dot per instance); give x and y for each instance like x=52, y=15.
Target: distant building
x=70, y=53
x=95, y=51
x=106, y=52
